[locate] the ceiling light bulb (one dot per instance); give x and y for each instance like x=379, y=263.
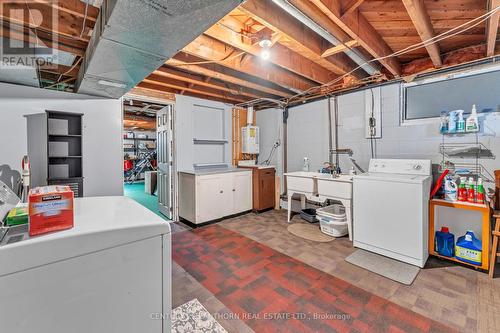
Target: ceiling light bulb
x=265, y=54
x=265, y=43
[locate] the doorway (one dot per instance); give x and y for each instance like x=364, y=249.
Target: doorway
x=148, y=162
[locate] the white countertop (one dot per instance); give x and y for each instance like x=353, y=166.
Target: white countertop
x=319, y=175
x=99, y=223
x=213, y=171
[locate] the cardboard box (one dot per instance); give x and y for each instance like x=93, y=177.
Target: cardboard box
x=50, y=209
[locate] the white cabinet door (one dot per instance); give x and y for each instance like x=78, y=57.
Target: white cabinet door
x=242, y=191
x=208, y=198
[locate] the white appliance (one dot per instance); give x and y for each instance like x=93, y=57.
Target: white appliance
x=250, y=139
x=110, y=273
x=390, y=209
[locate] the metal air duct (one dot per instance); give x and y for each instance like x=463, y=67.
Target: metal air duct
x=132, y=38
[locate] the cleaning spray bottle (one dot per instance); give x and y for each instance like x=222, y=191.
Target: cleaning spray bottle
x=472, y=122
x=471, y=191
x=452, y=122
x=462, y=189
x=443, y=127
x=480, y=195
x=461, y=122
x=305, y=166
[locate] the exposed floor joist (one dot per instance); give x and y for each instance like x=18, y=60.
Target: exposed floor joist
x=213, y=50
x=296, y=36
x=280, y=55
x=418, y=14
x=492, y=31
x=356, y=26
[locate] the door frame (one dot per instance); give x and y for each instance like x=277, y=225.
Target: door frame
x=164, y=102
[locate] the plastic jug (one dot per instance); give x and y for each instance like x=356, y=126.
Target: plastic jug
x=444, y=242
x=469, y=249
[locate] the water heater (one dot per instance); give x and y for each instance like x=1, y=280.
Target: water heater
x=250, y=139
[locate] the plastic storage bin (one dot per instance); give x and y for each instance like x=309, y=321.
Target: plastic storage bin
x=309, y=215
x=333, y=220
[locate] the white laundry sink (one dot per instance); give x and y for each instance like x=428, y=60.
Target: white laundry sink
x=320, y=184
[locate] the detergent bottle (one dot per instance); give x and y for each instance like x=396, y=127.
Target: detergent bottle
x=472, y=122
x=469, y=249
x=461, y=122
x=450, y=189
x=443, y=127
x=444, y=242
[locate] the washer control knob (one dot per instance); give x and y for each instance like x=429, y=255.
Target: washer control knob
x=417, y=167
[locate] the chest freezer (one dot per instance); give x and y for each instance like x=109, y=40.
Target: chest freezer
x=110, y=273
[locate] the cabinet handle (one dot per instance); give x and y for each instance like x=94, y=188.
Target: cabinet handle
x=221, y=191
x=234, y=190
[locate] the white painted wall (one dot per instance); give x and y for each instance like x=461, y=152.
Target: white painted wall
x=270, y=123
x=187, y=127
x=102, y=132
x=308, y=135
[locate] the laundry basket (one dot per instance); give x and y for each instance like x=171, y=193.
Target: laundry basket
x=333, y=220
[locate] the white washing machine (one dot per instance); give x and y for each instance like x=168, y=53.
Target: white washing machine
x=390, y=209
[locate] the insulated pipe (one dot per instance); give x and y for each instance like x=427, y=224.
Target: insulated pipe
x=357, y=57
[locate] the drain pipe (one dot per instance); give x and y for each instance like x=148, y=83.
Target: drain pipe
x=330, y=139
x=285, y=147
x=355, y=55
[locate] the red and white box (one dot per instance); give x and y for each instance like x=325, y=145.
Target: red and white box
x=50, y=209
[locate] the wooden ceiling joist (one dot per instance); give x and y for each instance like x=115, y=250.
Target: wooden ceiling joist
x=55, y=22
x=189, y=87
x=359, y=29
x=420, y=18
x=340, y=48
x=152, y=87
x=206, y=81
x=492, y=30
x=296, y=36
x=217, y=71
x=350, y=6
x=213, y=50
x=280, y=55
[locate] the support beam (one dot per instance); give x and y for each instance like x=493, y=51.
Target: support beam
x=356, y=26
x=492, y=28
x=184, y=86
x=350, y=6
x=340, y=48
x=422, y=22
x=163, y=89
x=139, y=93
x=298, y=37
x=280, y=55
x=213, y=50
x=182, y=60
x=175, y=74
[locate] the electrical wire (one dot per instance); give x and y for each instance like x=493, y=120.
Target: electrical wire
x=39, y=73
x=84, y=19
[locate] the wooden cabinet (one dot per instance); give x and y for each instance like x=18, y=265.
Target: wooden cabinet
x=263, y=187
x=212, y=196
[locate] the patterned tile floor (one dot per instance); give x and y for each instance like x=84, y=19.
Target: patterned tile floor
x=459, y=297
x=258, y=283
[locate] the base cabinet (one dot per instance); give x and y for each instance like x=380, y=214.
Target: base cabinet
x=264, y=179
x=208, y=197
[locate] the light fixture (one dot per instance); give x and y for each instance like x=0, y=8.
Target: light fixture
x=112, y=84
x=265, y=54
x=266, y=44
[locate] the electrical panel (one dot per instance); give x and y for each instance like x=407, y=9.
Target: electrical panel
x=250, y=139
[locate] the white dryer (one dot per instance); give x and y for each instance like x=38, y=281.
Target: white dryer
x=390, y=209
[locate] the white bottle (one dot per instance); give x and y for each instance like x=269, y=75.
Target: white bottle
x=461, y=122
x=472, y=122
x=305, y=167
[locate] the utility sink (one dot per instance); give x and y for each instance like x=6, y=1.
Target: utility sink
x=320, y=184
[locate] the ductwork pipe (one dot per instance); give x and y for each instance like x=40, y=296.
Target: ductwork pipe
x=355, y=55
